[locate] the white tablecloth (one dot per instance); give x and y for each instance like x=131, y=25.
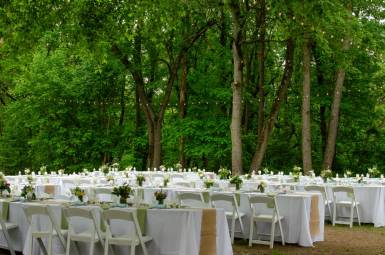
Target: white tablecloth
x=174, y=231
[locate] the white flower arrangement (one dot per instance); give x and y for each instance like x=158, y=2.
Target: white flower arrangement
x=27, y=171
x=374, y=172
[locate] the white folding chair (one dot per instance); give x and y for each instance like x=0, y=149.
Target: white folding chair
x=191, y=199
x=68, y=184
x=322, y=190
x=131, y=239
x=90, y=234
x=183, y=184
x=269, y=202
x=234, y=214
x=39, y=232
x=102, y=194
x=84, y=181
x=349, y=201
x=5, y=227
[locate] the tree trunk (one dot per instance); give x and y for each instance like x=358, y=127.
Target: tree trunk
x=306, y=128
x=182, y=110
x=157, y=145
x=261, y=68
x=236, y=116
x=334, y=114
x=269, y=123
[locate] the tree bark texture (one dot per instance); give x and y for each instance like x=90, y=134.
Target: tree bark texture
x=306, y=124
x=236, y=115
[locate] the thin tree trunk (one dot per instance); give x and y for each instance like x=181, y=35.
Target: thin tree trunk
x=268, y=127
x=261, y=67
x=236, y=116
x=334, y=114
x=157, y=145
x=182, y=110
x=306, y=127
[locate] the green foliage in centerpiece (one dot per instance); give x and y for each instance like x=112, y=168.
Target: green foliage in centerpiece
x=224, y=174
x=296, y=173
x=79, y=193
x=374, y=172
x=4, y=185
x=166, y=180
x=28, y=192
x=208, y=183
x=262, y=186
x=140, y=179
x=237, y=181
x=123, y=192
x=160, y=196
x=326, y=174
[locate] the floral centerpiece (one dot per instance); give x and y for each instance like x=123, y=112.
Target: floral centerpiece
x=201, y=174
x=178, y=166
x=79, y=193
x=60, y=171
x=208, y=183
x=326, y=174
x=348, y=173
x=110, y=178
x=248, y=176
x=105, y=169
x=374, y=172
x=140, y=179
x=160, y=196
x=265, y=170
x=4, y=185
x=27, y=171
x=360, y=179
x=224, y=174
x=296, y=173
x=166, y=180
x=262, y=186
x=123, y=192
x=28, y=192
x=237, y=181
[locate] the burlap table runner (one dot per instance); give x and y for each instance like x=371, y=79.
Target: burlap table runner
x=208, y=245
x=49, y=189
x=314, y=213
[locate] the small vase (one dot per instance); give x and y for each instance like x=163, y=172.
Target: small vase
x=262, y=190
x=140, y=184
x=80, y=198
x=123, y=200
x=160, y=202
x=237, y=186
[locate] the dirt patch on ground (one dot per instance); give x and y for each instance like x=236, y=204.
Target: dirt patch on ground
x=339, y=240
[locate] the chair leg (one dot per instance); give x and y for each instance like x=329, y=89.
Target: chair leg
x=272, y=234
x=106, y=247
x=92, y=247
x=9, y=242
x=251, y=231
x=241, y=225
x=282, y=235
x=232, y=229
x=358, y=216
x=31, y=245
x=68, y=243
x=334, y=213
x=49, y=252
x=351, y=215
x=143, y=247
x=330, y=212
x=132, y=248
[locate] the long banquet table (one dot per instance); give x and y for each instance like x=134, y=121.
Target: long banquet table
x=174, y=231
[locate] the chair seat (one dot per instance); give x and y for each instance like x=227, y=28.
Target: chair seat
x=126, y=240
x=230, y=214
x=9, y=225
x=266, y=217
x=85, y=236
x=346, y=203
